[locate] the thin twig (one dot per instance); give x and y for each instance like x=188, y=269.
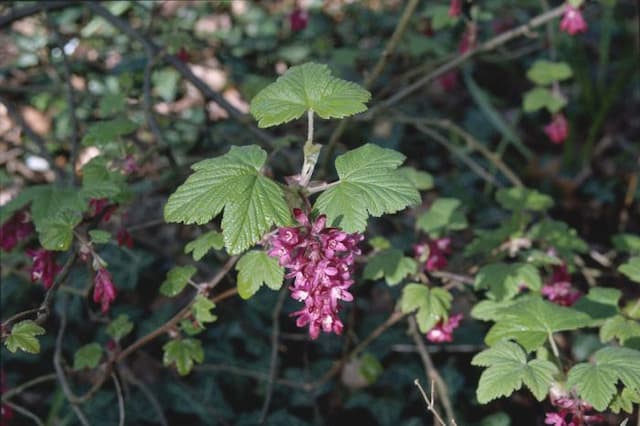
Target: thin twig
x=45, y=307
x=258, y=375
x=430, y=406
x=274, y=352
x=27, y=413
x=6, y=395
x=131, y=378
x=121, y=413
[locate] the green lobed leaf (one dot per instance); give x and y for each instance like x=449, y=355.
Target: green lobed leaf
x=56, y=233
x=600, y=303
x=100, y=182
x=621, y=328
x=370, y=185
x=518, y=198
x=390, y=264
x=631, y=268
x=444, y=215
x=502, y=281
x=544, y=72
x=508, y=369
x=560, y=236
x=204, y=243
x=307, y=87
x=625, y=400
x=627, y=242
x=104, y=132
x=596, y=382
x=421, y=180
x=177, y=278
x=98, y=236
x=256, y=268
x=23, y=337
x=111, y=103
x=252, y=202
x=432, y=304
x=183, y=352
x=87, y=356
x=539, y=97
x=120, y=327
x=202, y=310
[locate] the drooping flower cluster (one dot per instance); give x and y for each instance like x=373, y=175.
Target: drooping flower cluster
x=16, y=229
x=104, y=291
x=572, y=21
x=124, y=238
x=433, y=253
x=559, y=290
x=298, y=19
x=101, y=206
x=455, y=8
x=558, y=129
x=469, y=38
x=44, y=266
x=571, y=412
x=320, y=260
x=443, y=331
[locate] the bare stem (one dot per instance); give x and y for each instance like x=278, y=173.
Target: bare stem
x=430, y=403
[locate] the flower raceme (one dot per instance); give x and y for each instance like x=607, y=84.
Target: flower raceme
x=443, y=330
x=433, y=253
x=558, y=129
x=320, y=261
x=572, y=21
x=559, y=290
x=104, y=291
x=44, y=266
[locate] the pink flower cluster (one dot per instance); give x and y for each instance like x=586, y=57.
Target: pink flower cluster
x=455, y=8
x=17, y=228
x=433, y=253
x=298, y=19
x=104, y=291
x=559, y=290
x=443, y=331
x=571, y=412
x=558, y=129
x=320, y=260
x=101, y=206
x=572, y=21
x=44, y=266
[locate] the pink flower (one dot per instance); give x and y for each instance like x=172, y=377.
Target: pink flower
x=16, y=229
x=455, y=8
x=104, y=291
x=559, y=290
x=572, y=411
x=469, y=38
x=320, y=260
x=443, y=332
x=298, y=19
x=433, y=253
x=44, y=267
x=558, y=129
x=124, y=238
x=102, y=207
x=572, y=21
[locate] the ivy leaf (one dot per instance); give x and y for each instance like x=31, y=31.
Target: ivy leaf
x=104, y=132
x=432, y=304
x=87, y=356
x=597, y=383
x=546, y=72
x=421, y=180
x=532, y=321
x=518, y=198
x=444, y=215
x=252, y=202
x=23, y=337
x=203, y=244
x=256, y=268
x=631, y=269
x=539, y=97
x=390, y=264
x=620, y=328
x=120, y=327
x=202, y=310
x=183, y=353
x=502, y=281
x=99, y=236
x=509, y=370
x=307, y=87
x=600, y=303
x=625, y=400
x=370, y=184
x=177, y=278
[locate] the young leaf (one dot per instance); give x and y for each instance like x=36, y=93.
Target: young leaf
x=503, y=280
x=560, y=236
x=87, y=356
x=252, y=202
x=307, y=87
x=432, y=304
x=390, y=264
x=631, y=269
x=120, y=327
x=205, y=242
x=596, y=383
x=256, y=268
x=177, y=279
x=23, y=337
x=539, y=97
x=546, y=72
x=370, y=184
x=104, y=132
x=183, y=352
x=99, y=236
x=202, y=310
x=444, y=215
x=509, y=370
x=518, y=198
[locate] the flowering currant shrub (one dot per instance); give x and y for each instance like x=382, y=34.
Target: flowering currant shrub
x=212, y=236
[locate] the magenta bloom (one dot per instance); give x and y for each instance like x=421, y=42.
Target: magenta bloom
x=443, y=331
x=572, y=21
x=558, y=129
x=101, y=206
x=298, y=19
x=433, y=253
x=469, y=38
x=44, y=266
x=16, y=229
x=559, y=290
x=320, y=260
x=571, y=412
x=124, y=238
x=104, y=291
x=455, y=8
